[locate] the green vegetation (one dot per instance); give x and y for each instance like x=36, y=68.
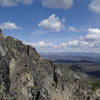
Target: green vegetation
x=95, y=85
x=0, y=30
x=15, y=89
x=35, y=87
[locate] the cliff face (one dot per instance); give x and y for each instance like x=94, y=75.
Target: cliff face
x=24, y=75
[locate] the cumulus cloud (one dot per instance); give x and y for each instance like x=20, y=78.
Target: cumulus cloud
x=71, y=28
x=9, y=25
x=91, y=40
x=93, y=34
x=77, y=44
x=95, y=6
x=10, y=3
x=58, y=4
x=42, y=44
x=69, y=44
x=52, y=23
x=83, y=42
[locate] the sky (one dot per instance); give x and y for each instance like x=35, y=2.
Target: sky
x=53, y=25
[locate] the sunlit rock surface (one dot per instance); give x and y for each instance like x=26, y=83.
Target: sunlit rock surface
x=24, y=75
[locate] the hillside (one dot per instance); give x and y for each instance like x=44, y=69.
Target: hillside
x=88, y=62
x=25, y=75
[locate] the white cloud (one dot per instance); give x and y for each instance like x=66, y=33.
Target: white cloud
x=10, y=3
x=52, y=23
x=82, y=43
x=77, y=44
x=58, y=4
x=42, y=44
x=95, y=6
x=91, y=40
x=69, y=44
x=9, y=25
x=71, y=28
x=93, y=34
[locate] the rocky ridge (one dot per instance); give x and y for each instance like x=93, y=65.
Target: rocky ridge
x=25, y=75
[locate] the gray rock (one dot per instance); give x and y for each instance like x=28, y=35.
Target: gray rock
x=25, y=75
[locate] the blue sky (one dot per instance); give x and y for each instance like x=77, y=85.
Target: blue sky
x=53, y=25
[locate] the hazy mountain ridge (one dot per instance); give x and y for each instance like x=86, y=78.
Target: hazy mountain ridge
x=88, y=62
x=79, y=56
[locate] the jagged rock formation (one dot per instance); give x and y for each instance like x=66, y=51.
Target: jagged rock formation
x=24, y=75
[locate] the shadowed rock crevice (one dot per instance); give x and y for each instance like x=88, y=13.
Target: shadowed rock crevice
x=37, y=95
x=28, y=48
x=55, y=78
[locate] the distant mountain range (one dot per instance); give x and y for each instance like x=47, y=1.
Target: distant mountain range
x=87, y=57
x=87, y=62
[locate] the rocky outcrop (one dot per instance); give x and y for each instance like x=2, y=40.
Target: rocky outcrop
x=25, y=75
